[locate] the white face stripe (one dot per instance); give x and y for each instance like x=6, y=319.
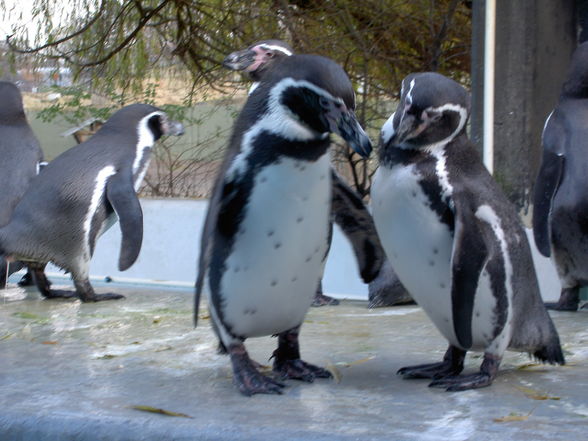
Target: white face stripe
x=273, y=47
x=463, y=116
x=278, y=120
x=545, y=125
x=388, y=131
x=146, y=139
x=409, y=94
x=99, y=188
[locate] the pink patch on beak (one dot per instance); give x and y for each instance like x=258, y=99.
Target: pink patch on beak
x=261, y=57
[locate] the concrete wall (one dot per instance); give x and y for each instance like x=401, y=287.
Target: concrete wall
x=171, y=239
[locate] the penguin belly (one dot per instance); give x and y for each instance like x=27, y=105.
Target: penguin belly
x=271, y=274
x=417, y=243
x=420, y=247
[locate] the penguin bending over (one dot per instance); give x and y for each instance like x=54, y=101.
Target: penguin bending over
x=264, y=241
x=455, y=241
x=80, y=194
x=21, y=160
x=560, y=208
x=348, y=210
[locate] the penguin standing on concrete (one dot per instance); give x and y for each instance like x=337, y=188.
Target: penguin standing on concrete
x=560, y=209
x=80, y=194
x=265, y=236
x=348, y=210
x=455, y=241
x=21, y=159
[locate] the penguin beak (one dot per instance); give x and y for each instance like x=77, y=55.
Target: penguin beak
x=175, y=128
x=240, y=60
x=407, y=129
x=343, y=122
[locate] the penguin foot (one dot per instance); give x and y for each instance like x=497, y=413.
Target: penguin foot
x=26, y=280
x=484, y=378
x=247, y=378
x=568, y=300
x=463, y=382
x=451, y=366
x=432, y=370
x=101, y=297
x=299, y=370
x=557, y=306
x=59, y=294
x=322, y=300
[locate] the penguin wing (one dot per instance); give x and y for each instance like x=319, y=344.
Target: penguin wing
x=469, y=255
x=354, y=219
x=548, y=180
x=121, y=194
x=210, y=221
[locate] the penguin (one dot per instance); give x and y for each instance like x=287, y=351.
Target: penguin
x=560, y=208
x=22, y=159
x=348, y=209
x=264, y=241
x=455, y=240
x=80, y=194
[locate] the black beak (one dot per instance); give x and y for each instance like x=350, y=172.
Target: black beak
x=175, y=128
x=406, y=129
x=351, y=131
x=239, y=60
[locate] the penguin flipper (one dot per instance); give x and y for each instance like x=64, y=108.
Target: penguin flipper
x=121, y=194
x=354, y=219
x=546, y=185
x=468, y=258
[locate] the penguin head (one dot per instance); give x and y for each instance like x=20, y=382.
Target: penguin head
x=433, y=109
x=311, y=96
x=256, y=59
x=576, y=84
x=149, y=120
x=11, y=107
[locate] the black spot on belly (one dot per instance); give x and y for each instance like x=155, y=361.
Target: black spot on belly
x=237, y=269
x=277, y=245
x=300, y=219
x=435, y=251
x=414, y=194
x=446, y=320
x=270, y=233
x=274, y=282
x=302, y=167
x=323, y=177
x=442, y=285
x=317, y=249
x=294, y=279
x=477, y=314
x=431, y=263
x=304, y=198
x=308, y=259
x=263, y=179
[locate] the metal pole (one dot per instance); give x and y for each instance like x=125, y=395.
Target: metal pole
x=489, y=67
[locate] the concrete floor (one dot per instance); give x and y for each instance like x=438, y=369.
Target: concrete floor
x=74, y=372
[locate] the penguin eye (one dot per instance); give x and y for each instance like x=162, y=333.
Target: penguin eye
x=325, y=103
x=269, y=54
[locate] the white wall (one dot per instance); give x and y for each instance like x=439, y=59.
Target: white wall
x=171, y=239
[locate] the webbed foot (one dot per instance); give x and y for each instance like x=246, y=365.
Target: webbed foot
x=568, y=300
x=451, y=365
x=484, y=378
x=247, y=378
x=299, y=370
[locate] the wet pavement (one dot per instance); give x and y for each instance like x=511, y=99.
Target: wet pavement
x=72, y=371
